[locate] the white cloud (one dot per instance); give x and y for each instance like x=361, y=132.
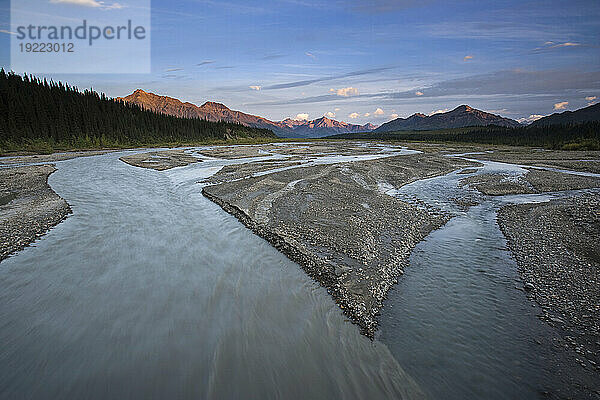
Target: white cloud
x=561, y=106
x=330, y=114
x=301, y=117
x=553, y=45
x=379, y=111
x=567, y=44
x=467, y=58
x=255, y=87
x=591, y=98
x=367, y=114
x=89, y=3
x=345, y=92
x=419, y=93
x=394, y=116
x=530, y=119
x=336, y=109
x=439, y=111
x=311, y=55
x=354, y=115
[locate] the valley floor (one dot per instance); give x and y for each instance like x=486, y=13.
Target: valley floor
x=330, y=207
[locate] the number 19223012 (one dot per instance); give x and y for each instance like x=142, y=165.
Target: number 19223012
x=47, y=47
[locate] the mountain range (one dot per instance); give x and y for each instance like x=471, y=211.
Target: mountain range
x=460, y=117
x=212, y=111
x=587, y=114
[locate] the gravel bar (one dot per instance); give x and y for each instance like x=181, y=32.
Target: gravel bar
x=29, y=206
x=335, y=222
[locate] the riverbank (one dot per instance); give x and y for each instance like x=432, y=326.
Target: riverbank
x=29, y=206
x=336, y=222
x=557, y=251
x=533, y=181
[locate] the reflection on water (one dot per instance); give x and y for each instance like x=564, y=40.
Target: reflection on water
x=150, y=290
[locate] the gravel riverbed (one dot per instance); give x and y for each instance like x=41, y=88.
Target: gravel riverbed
x=557, y=248
x=29, y=207
x=336, y=222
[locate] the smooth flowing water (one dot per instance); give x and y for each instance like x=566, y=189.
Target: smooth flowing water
x=149, y=290
x=459, y=319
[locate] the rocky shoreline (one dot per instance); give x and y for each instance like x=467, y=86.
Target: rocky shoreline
x=558, y=256
x=338, y=225
x=534, y=181
x=29, y=206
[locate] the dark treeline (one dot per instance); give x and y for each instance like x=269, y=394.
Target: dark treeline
x=38, y=115
x=569, y=137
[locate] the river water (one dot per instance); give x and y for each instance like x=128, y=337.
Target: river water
x=149, y=290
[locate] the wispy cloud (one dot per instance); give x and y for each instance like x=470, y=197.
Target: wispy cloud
x=7, y=32
x=90, y=3
x=311, y=55
x=467, y=58
x=255, y=87
x=591, y=100
x=206, y=62
x=549, y=45
x=173, y=69
x=345, y=92
x=272, y=57
x=510, y=83
x=418, y=93
x=561, y=106
x=386, y=6
x=325, y=78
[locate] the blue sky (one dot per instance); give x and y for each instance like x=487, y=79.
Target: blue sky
x=363, y=60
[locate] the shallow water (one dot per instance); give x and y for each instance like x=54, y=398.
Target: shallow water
x=149, y=290
x=459, y=320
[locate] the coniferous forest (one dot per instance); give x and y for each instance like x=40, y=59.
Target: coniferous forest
x=41, y=116
x=577, y=136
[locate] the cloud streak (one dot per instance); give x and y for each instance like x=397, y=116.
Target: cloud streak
x=325, y=79
x=89, y=3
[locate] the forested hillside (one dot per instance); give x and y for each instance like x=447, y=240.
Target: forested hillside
x=568, y=137
x=38, y=115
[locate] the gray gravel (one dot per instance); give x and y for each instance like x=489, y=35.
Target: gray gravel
x=534, y=181
x=557, y=248
x=160, y=160
x=29, y=207
x=336, y=223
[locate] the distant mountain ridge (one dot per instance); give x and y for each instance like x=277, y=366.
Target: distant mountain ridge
x=212, y=111
x=586, y=114
x=462, y=116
